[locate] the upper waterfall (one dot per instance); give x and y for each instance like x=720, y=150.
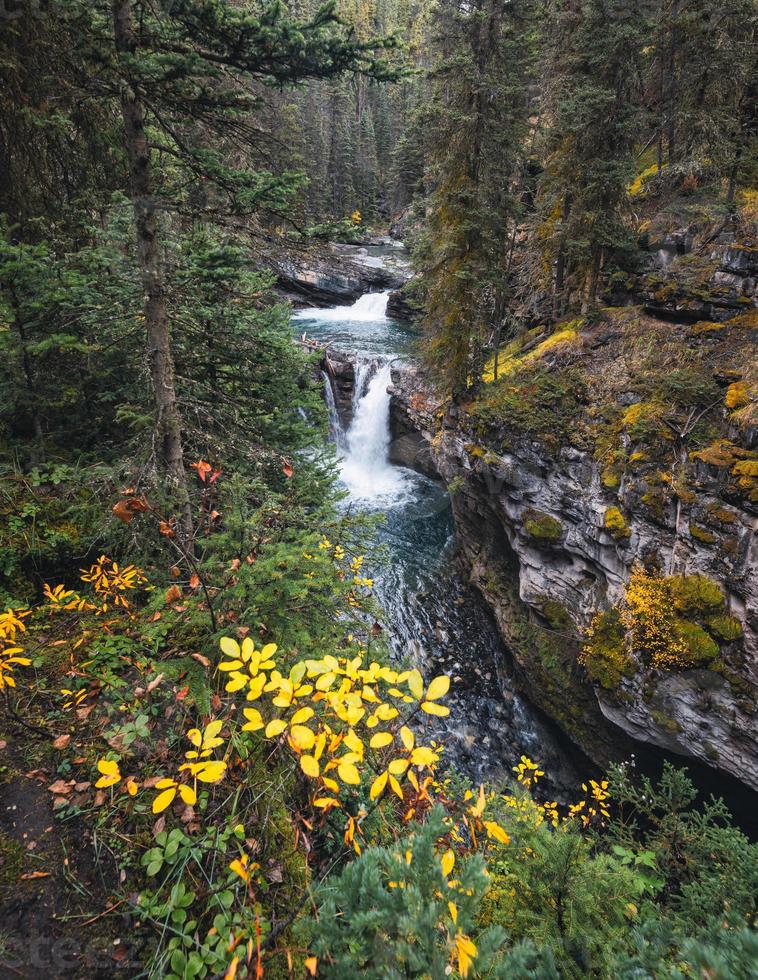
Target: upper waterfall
x=369, y=307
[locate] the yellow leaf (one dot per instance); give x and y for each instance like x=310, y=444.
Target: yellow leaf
x=163, y=800
x=466, y=951
x=496, y=832
x=379, y=740
x=438, y=688
x=268, y=651
x=416, y=684
x=229, y=647
x=325, y=801
x=131, y=787
x=423, y=756
x=211, y=772
x=275, y=727
x=348, y=773
x=310, y=766
x=377, y=787
x=398, y=766
x=211, y=731
x=448, y=862
x=407, y=738
x=440, y=710
x=311, y=963
x=303, y=714
x=395, y=786
x=195, y=737
x=302, y=737
x=453, y=910
x=188, y=794
x=254, y=720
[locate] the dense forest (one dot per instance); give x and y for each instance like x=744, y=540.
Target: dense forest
x=215, y=758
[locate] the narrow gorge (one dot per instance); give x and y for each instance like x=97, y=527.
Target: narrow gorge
x=544, y=533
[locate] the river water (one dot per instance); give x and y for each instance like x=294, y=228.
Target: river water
x=433, y=618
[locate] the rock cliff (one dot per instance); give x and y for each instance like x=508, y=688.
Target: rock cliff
x=605, y=491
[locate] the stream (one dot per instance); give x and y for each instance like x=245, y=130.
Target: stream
x=433, y=618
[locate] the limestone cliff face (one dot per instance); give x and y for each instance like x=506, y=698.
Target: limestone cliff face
x=553, y=511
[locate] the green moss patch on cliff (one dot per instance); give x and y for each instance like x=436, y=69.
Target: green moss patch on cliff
x=541, y=526
x=662, y=622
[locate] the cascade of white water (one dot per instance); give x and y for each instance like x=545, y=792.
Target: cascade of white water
x=363, y=369
x=366, y=470
x=370, y=306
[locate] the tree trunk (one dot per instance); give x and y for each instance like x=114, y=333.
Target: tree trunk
x=168, y=436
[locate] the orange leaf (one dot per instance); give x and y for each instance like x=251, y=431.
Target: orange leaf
x=35, y=874
x=311, y=964
x=125, y=510
x=173, y=594
x=166, y=529
x=194, y=582
x=203, y=469
x=61, y=742
x=201, y=659
x=287, y=469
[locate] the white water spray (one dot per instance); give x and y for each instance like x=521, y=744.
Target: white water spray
x=369, y=307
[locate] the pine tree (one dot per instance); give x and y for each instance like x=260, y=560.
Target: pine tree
x=474, y=125
x=593, y=122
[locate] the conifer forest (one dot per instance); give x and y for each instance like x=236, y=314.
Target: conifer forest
x=379, y=489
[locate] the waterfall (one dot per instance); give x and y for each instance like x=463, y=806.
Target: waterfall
x=365, y=468
x=363, y=449
x=363, y=369
x=335, y=426
x=369, y=307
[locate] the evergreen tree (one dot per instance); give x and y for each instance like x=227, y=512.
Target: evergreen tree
x=474, y=126
x=593, y=127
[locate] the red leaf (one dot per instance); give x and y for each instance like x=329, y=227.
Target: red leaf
x=182, y=694
x=287, y=469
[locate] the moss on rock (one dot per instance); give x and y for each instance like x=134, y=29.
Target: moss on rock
x=542, y=526
x=615, y=524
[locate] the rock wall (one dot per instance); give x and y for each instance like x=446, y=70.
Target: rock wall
x=532, y=525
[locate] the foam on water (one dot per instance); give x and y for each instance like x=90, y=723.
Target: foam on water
x=371, y=307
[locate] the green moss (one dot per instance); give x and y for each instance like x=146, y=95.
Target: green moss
x=695, y=595
x=700, y=534
x=558, y=616
x=725, y=627
x=615, y=524
x=668, y=724
x=610, y=478
x=701, y=648
x=542, y=526
x=604, y=655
